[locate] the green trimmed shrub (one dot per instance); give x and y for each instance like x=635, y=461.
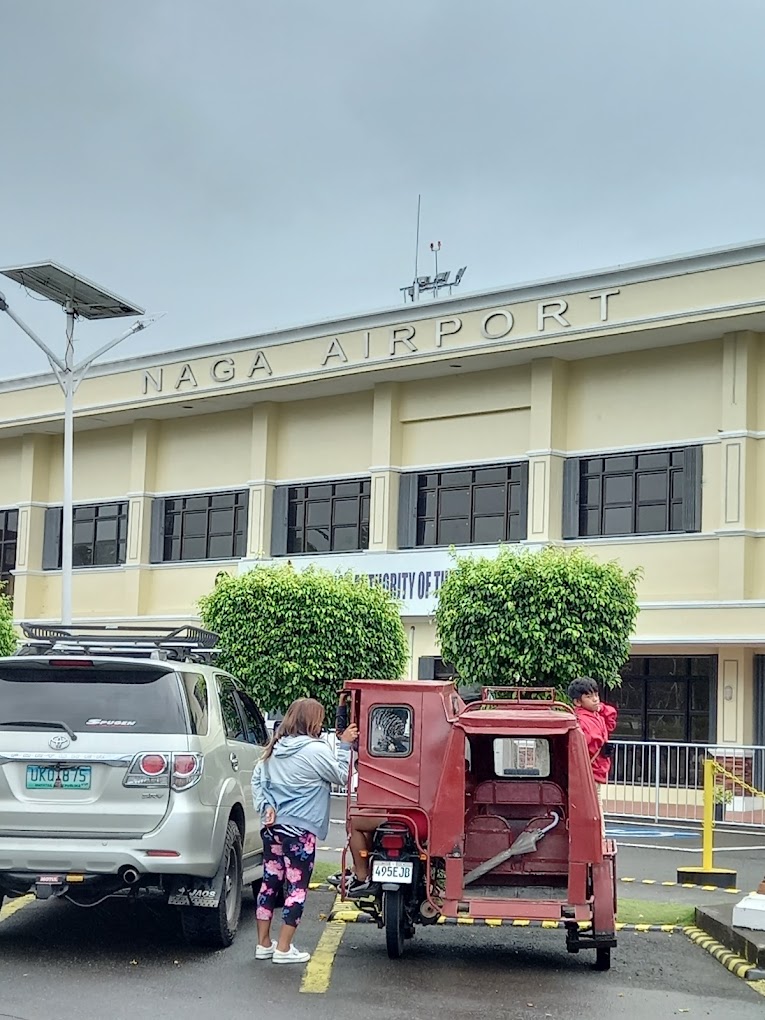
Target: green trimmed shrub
x=537, y=619
x=8, y=639
x=288, y=634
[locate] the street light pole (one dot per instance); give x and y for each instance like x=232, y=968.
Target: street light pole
x=69, y=376
x=67, y=524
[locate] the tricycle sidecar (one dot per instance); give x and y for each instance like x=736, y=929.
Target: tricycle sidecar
x=487, y=811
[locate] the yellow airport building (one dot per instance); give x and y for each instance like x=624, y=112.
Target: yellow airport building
x=622, y=411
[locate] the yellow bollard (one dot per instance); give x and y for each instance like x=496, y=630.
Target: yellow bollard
x=707, y=874
x=708, y=824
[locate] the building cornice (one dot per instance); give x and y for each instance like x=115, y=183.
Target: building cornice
x=617, y=276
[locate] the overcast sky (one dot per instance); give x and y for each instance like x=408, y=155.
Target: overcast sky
x=248, y=164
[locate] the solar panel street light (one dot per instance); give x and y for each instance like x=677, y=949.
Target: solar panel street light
x=79, y=297
x=54, y=282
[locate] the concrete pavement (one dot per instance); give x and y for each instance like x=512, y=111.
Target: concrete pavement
x=126, y=963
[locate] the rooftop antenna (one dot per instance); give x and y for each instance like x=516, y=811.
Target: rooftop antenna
x=440, y=281
x=435, y=247
x=415, y=285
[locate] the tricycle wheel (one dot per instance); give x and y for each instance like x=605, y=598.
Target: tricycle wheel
x=393, y=915
x=602, y=959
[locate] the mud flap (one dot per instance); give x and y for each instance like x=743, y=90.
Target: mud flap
x=192, y=891
x=603, y=913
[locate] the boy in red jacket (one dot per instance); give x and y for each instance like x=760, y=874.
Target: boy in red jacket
x=597, y=721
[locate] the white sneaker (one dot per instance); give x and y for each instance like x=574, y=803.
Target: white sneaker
x=293, y=955
x=265, y=952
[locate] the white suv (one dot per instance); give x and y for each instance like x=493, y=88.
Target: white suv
x=125, y=764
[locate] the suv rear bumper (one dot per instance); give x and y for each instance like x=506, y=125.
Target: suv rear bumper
x=191, y=846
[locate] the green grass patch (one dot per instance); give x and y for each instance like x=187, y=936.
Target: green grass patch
x=648, y=912
x=629, y=911
x=322, y=870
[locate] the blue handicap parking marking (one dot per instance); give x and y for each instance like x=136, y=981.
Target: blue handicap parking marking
x=617, y=830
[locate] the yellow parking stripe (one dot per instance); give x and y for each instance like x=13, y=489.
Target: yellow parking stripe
x=318, y=971
x=12, y=906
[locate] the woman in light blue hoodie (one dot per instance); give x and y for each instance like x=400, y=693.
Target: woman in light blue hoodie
x=291, y=789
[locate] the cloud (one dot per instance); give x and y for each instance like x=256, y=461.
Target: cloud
x=250, y=165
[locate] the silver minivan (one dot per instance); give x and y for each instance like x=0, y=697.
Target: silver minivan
x=125, y=766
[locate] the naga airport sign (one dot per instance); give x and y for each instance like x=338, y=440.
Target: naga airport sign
x=413, y=577
x=361, y=348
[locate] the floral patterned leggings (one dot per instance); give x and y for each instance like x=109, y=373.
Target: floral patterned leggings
x=286, y=856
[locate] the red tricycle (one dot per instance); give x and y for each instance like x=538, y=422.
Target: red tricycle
x=487, y=812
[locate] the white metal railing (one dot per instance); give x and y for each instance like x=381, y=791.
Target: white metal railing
x=664, y=782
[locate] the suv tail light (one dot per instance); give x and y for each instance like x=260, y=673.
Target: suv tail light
x=152, y=764
x=152, y=769
x=187, y=770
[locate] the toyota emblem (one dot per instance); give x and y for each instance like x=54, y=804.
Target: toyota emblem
x=59, y=742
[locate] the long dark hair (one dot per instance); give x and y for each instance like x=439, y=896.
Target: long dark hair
x=304, y=718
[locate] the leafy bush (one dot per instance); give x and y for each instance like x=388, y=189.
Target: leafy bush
x=8, y=639
x=537, y=619
x=288, y=634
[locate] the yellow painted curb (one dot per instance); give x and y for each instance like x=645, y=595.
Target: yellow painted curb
x=318, y=971
x=731, y=961
x=12, y=906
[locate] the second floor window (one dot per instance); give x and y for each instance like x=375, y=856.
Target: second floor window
x=208, y=527
x=321, y=518
x=464, y=506
x=99, y=536
x=9, y=530
x=650, y=493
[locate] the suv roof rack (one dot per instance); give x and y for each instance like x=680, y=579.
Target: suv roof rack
x=181, y=644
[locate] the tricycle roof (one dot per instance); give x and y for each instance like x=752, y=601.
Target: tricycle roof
x=521, y=714
x=399, y=686
x=517, y=720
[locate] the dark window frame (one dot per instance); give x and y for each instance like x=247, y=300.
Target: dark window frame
x=227, y=689
x=602, y=493
x=97, y=515
x=175, y=515
x=387, y=708
x=325, y=502
x=247, y=705
x=196, y=710
x=6, y=545
x=428, y=521
x=642, y=670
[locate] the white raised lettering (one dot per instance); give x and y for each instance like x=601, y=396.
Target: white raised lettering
x=603, y=296
x=365, y=355
x=223, y=370
x=259, y=364
x=187, y=377
x=406, y=339
x=556, y=312
x=335, y=350
x=501, y=313
x=156, y=381
x=442, y=331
